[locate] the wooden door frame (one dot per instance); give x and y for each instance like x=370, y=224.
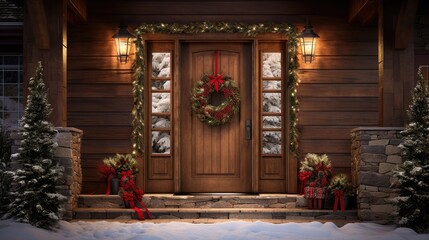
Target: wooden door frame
x=291, y=163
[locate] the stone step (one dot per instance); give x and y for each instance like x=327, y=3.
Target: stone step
x=198, y=201
x=219, y=213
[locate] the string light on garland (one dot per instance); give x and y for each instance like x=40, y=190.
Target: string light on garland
x=246, y=29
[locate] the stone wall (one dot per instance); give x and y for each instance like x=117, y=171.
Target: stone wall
x=375, y=153
x=68, y=155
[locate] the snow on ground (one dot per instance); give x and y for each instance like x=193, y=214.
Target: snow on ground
x=227, y=230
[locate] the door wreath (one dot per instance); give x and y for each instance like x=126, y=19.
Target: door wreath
x=211, y=114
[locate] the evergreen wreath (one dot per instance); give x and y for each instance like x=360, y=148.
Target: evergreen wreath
x=211, y=114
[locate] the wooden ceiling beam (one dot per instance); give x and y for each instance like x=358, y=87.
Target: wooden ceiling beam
x=405, y=23
x=37, y=15
x=363, y=11
x=78, y=10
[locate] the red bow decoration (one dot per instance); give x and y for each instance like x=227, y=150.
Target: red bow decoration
x=216, y=80
x=339, y=196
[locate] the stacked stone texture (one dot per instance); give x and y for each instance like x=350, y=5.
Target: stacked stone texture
x=68, y=156
x=375, y=155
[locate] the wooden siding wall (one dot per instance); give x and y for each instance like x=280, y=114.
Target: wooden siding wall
x=338, y=91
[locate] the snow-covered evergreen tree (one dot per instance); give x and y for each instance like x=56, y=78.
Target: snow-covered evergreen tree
x=5, y=177
x=414, y=178
x=35, y=197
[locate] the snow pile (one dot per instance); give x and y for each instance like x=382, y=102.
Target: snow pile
x=272, y=142
x=160, y=64
x=227, y=230
x=271, y=64
x=160, y=102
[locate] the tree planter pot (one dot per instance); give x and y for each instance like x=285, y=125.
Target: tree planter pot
x=328, y=202
x=114, y=186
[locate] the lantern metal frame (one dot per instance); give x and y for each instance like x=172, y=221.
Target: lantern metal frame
x=123, y=40
x=308, y=43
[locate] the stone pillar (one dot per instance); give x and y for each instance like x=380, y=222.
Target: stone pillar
x=375, y=153
x=68, y=156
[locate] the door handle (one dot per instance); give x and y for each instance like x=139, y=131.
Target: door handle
x=248, y=129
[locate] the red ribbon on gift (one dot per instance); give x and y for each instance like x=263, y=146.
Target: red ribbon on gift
x=216, y=79
x=339, y=196
x=109, y=178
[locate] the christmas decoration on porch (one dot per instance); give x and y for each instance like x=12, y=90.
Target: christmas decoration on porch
x=216, y=83
x=35, y=198
x=139, y=66
x=414, y=176
x=315, y=174
x=132, y=196
x=112, y=167
x=343, y=192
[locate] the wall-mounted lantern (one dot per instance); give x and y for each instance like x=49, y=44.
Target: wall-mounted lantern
x=308, y=43
x=123, y=39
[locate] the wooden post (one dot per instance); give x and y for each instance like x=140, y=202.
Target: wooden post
x=396, y=67
x=45, y=39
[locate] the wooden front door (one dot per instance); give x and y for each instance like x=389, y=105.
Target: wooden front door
x=216, y=159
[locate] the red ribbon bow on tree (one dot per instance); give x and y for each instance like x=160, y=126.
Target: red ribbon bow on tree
x=216, y=79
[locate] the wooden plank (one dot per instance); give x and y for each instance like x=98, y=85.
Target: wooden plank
x=338, y=76
x=98, y=48
x=338, y=90
x=405, y=23
x=108, y=147
x=98, y=63
x=99, y=76
x=345, y=48
x=37, y=15
x=346, y=104
x=352, y=119
x=78, y=9
x=99, y=119
x=218, y=8
x=109, y=133
x=325, y=132
x=331, y=146
x=363, y=11
x=114, y=104
x=342, y=62
x=99, y=90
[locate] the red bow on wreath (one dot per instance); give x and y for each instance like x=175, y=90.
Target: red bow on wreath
x=216, y=79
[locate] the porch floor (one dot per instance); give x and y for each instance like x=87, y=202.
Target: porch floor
x=275, y=208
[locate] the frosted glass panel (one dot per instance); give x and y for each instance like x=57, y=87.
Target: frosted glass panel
x=160, y=122
x=272, y=142
x=271, y=122
x=271, y=64
x=271, y=102
x=160, y=64
x=160, y=142
x=160, y=85
x=271, y=85
x=160, y=102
